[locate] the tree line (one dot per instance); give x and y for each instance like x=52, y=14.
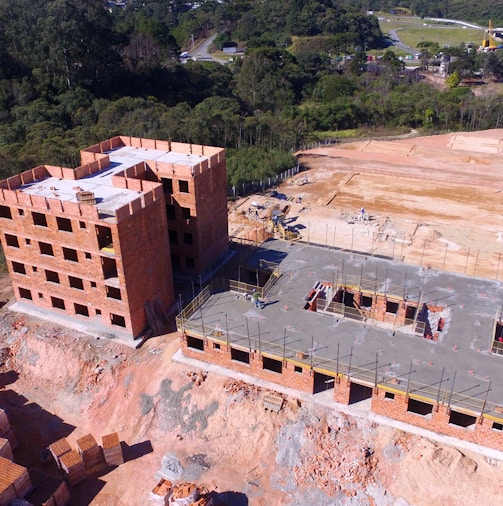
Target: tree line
x=74, y=73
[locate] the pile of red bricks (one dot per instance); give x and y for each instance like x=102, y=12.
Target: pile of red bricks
x=334, y=460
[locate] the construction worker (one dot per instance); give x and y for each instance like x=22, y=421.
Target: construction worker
x=256, y=301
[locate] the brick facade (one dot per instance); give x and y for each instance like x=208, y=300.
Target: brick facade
x=439, y=418
x=102, y=261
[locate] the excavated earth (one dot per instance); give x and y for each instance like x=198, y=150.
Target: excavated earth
x=201, y=426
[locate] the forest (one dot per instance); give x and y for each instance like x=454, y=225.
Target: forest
x=73, y=73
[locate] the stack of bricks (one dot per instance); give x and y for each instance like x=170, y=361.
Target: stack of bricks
x=5, y=449
x=58, y=449
x=162, y=491
x=6, y=431
x=112, y=450
x=183, y=493
x=60, y=496
x=15, y=481
x=73, y=466
x=90, y=451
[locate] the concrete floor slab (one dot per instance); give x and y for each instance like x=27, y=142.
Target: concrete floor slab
x=461, y=357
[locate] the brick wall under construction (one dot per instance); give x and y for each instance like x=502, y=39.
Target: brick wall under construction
x=436, y=417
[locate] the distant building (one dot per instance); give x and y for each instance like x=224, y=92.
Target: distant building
x=101, y=242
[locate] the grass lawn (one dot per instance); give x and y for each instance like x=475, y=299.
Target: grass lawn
x=412, y=30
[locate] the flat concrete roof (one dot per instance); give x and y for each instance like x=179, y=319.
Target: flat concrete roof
x=108, y=197
x=129, y=156
x=461, y=357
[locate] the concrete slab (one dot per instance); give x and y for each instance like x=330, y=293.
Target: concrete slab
x=461, y=356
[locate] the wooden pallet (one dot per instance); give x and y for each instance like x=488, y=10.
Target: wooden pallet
x=273, y=402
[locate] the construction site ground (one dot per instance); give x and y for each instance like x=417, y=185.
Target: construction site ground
x=193, y=423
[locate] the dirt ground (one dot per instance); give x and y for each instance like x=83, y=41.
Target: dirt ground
x=57, y=383
x=203, y=427
x=431, y=201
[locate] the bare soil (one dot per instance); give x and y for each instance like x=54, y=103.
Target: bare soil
x=213, y=430
x=58, y=383
x=427, y=202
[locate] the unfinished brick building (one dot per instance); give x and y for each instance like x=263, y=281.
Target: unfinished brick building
x=417, y=345
x=100, y=242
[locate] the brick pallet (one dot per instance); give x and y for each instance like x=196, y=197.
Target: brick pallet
x=6, y=431
x=15, y=482
x=5, y=449
x=60, y=497
x=58, y=449
x=112, y=449
x=73, y=466
x=90, y=451
x=162, y=492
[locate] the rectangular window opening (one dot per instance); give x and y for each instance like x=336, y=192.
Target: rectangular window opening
x=216, y=346
x=39, y=219
x=20, y=212
x=410, y=312
x=167, y=185
x=186, y=213
x=19, y=268
x=187, y=238
x=82, y=224
x=104, y=235
x=109, y=266
x=24, y=293
x=173, y=237
x=81, y=310
x=240, y=356
x=366, y=301
x=419, y=408
x=183, y=186
x=98, y=312
x=270, y=364
x=391, y=307
x=5, y=212
x=298, y=369
x=118, y=320
x=27, y=242
x=58, y=303
x=52, y=277
x=70, y=255
x=195, y=343
x=76, y=283
x=497, y=426
x=46, y=248
x=88, y=255
x=93, y=284
x=170, y=212
x=462, y=419
x=113, y=293
x=12, y=241
x=64, y=224
x=389, y=395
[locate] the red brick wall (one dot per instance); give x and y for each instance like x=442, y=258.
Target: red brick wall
x=207, y=200
x=144, y=249
x=481, y=433
x=342, y=390
x=303, y=381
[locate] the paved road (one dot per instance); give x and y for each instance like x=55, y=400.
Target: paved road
x=201, y=51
